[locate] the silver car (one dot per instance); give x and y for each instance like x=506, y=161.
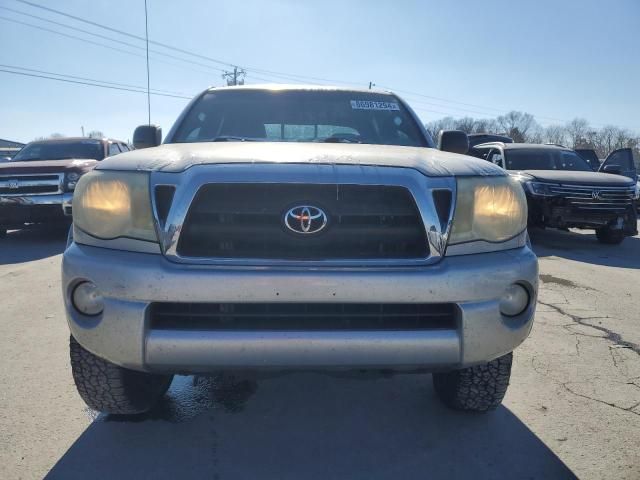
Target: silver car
x=296, y=228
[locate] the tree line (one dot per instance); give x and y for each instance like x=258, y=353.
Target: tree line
x=91, y=134
x=523, y=128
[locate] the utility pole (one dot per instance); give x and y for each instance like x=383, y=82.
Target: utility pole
x=82, y=128
x=234, y=78
x=371, y=84
x=146, y=36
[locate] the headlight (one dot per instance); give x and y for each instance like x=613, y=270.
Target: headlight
x=493, y=209
x=71, y=180
x=110, y=205
x=537, y=188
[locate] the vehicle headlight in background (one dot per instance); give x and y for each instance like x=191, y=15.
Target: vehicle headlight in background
x=110, y=205
x=493, y=209
x=71, y=180
x=538, y=188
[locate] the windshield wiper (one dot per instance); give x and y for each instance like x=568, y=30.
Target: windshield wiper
x=234, y=138
x=339, y=140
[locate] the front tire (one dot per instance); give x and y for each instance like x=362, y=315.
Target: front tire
x=609, y=236
x=109, y=388
x=476, y=389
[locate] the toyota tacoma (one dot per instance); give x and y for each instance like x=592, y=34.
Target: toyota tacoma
x=296, y=228
x=36, y=186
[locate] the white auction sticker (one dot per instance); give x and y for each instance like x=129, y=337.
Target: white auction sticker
x=371, y=105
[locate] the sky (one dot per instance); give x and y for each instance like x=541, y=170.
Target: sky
x=557, y=59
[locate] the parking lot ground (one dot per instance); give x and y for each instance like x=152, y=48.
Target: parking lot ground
x=573, y=407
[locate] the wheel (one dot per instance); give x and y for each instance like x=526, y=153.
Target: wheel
x=477, y=389
x=609, y=236
x=109, y=388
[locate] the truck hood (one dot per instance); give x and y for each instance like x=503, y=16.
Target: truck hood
x=579, y=178
x=47, y=166
x=177, y=157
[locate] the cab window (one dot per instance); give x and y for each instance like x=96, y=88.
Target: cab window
x=113, y=149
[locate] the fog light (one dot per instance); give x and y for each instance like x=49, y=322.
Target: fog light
x=87, y=299
x=514, y=301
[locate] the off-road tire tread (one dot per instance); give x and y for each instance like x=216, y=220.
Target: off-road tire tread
x=609, y=237
x=109, y=388
x=476, y=389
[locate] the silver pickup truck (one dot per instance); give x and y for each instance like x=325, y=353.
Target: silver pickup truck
x=296, y=228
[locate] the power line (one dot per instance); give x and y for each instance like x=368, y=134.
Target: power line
x=121, y=32
x=177, y=49
x=56, y=32
x=126, y=85
x=287, y=76
x=91, y=83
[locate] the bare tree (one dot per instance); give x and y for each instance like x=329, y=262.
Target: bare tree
x=516, y=124
x=522, y=127
x=577, y=131
x=485, y=125
x=96, y=134
x=466, y=124
x=446, y=123
x=57, y=135
x=555, y=134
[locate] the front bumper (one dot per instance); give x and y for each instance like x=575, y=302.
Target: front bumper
x=16, y=210
x=131, y=282
x=554, y=213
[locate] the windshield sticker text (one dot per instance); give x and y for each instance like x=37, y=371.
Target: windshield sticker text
x=371, y=105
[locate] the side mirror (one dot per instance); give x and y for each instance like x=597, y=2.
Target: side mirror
x=614, y=169
x=146, y=136
x=455, y=141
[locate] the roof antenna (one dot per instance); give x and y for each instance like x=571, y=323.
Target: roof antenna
x=146, y=30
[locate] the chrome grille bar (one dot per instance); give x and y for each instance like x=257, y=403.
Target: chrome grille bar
x=594, y=197
x=31, y=184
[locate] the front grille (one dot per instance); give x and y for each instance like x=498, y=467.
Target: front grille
x=595, y=198
x=30, y=184
x=302, y=316
x=246, y=221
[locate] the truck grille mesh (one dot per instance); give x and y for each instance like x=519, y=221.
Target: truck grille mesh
x=303, y=316
x=245, y=221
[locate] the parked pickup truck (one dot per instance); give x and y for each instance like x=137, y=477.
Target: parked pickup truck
x=296, y=228
x=36, y=186
x=563, y=191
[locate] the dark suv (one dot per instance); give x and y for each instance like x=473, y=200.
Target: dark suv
x=36, y=186
x=563, y=190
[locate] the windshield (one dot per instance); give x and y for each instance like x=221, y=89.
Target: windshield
x=545, y=159
x=60, y=150
x=300, y=116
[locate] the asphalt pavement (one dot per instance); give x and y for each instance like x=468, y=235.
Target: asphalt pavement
x=573, y=407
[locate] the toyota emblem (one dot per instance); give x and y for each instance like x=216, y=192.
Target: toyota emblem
x=305, y=219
